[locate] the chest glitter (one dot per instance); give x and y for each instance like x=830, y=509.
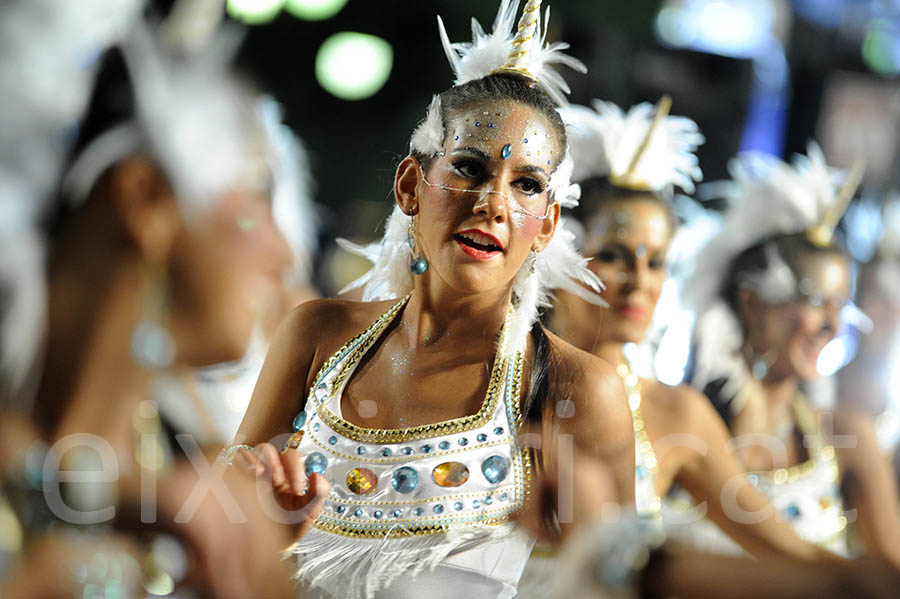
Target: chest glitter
x=420, y=480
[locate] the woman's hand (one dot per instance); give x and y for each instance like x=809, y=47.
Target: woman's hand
x=286, y=473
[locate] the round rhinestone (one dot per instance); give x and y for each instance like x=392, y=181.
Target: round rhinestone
x=378, y=513
x=317, y=426
x=315, y=463
x=481, y=437
x=358, y=513
x=488, y=500
x=406, y=451
x=340, y=509
x=444, y=445
x=332, y=440
x=439, y=509
x=299, y=420
x=405, y=480
x=386, y=452
x=476, y=504
x=397, y=513
x=792, y=511
x=458, y=506
x=503, y=496
x=427, y=449
x=361, y=481
x=418, y=511
x=360, y=450
x=498, y=430
x=463, y=441
x=495, y=469
x=293, y=441
x=450, y=474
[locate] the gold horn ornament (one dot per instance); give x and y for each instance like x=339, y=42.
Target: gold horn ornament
x=823, y=233
x=527, y=30
x=626, y=180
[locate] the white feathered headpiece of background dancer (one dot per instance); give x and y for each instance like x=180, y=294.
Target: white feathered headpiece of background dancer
x=559, y=265
x=767, y=197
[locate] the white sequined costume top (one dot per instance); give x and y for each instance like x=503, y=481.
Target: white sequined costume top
x=416, y=512
x=807, y=495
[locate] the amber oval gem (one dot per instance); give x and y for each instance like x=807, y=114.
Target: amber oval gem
x=450, y=474
x=293, y=441
x=361, y=481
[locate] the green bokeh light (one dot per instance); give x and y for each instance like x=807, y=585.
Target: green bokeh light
x=314, y=10
x=878, y=49
x=353, y=66
x=254, y=12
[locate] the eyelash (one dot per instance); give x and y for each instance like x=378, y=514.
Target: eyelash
x=528, y=185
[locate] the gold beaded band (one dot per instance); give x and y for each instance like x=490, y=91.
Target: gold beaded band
x=226, y=456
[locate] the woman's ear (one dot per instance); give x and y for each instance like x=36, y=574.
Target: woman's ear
x=548, y=228
x=145, y=205
x=406, y=185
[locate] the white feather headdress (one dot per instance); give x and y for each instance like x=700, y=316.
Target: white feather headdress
x=559, y=265
x=767, y=197
x=641, y=149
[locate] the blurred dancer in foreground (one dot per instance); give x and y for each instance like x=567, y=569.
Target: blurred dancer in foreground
x=159, y=246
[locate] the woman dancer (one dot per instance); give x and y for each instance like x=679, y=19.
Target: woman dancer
x=160, y=246
x=770, y=288
x=413, y=408
x=628, y=165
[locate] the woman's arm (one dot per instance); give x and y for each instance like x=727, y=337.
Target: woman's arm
x=869, y=486
x=716, y=478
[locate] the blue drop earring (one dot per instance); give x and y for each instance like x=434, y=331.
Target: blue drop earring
x=419, y=265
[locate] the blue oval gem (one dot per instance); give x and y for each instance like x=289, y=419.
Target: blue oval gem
x=332, y=440
x=476, y=504
x=463, y=441
x=397, y=513
x=498, y=430
x=360, y=450
x=506, y=152
x=315, y=462
x=340, y=509
x=378, y=514
x=444, y=445
x=458, y=506
x=418, y=511
x=481, y=437
x=406, y=451
x=439, y=509
x=525, y=140
x=488, y=500
x=299, y=420
x=427, y=449
x=405, y=480
x=317, y=426
x=478, y=123
x=495, y=469
x=386, y=451
x=358, y=513
x=491, y=125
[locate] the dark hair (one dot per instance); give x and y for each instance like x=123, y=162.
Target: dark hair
x=596, y=192
x=792, y=247
x=497, y=86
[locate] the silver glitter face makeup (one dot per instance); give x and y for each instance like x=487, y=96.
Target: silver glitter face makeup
x=486, y=137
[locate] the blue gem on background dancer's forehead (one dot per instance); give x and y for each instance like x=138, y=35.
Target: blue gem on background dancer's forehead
x=506, y=152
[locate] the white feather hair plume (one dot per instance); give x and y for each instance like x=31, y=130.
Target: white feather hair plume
x=489, y=52
x=558, y=266
x=767, y=196
x=293, y=210
x=606, y=139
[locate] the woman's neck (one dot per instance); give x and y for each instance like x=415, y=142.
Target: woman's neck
x=90, y=382
x=435, y=315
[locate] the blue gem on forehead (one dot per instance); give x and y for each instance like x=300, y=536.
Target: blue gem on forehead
x=478, y=123
x=506, y=152
x=491, y=125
